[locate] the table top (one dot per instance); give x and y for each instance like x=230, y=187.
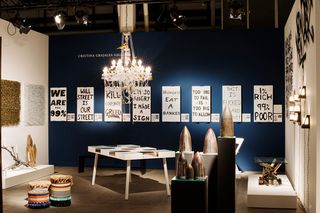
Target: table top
x=269, y=160
x=131, y=152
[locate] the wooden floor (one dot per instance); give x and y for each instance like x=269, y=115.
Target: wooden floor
x=147, y=194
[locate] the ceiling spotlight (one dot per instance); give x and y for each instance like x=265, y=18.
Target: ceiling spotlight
x=82, y=17
x=59, y=19
x=21, y=24
x=236, y=10
x=177, y=19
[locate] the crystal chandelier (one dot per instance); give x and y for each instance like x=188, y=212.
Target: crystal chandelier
x=127, y=72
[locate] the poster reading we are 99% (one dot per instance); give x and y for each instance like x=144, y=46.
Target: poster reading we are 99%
x=58, y=104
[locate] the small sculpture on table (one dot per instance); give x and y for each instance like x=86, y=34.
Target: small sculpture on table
x=31, y=151
x=269, y=172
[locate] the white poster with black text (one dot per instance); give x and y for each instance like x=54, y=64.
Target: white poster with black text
x=113, y=104
x=263, y=103
x=171, y=104
x=85, y=104
x=201, y=103
x=141, y=104
x=58, y=104
x=231, y=96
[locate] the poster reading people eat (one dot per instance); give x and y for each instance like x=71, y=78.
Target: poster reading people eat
x=231, y=96
x=113, y=104
x=58, y=104
x=201, y=102
x=171, y=104
x=85, y=104
x=263, y=103
x=141, y=104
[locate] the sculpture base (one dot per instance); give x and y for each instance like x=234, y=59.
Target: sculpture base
x=272, y=196
x=21, y=175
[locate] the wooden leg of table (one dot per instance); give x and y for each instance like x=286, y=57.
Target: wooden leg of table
x=126, y=195
x=94, y=169
x=166, y=176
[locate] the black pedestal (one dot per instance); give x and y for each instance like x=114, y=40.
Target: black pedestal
x=189, y=196
x=226, y=174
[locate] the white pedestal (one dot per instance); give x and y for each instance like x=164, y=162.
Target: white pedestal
x=22, y=175
x=209, y=159
x=261, y=196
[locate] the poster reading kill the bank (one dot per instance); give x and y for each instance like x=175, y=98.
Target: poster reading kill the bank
x=201, y=103
x=171, y=104
x=85, y=104
x=58, y=104
x=263, y=103
x=141, y=104
x=231, y=96
x=113, y=104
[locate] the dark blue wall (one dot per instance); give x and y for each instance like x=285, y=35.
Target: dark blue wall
x=187, y=59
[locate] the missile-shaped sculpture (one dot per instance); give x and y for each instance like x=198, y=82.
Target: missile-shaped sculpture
x=198, y=167
x=210, y=142
x=189, y=172
x=226, y=128
x=181, y=169
x=185, y=143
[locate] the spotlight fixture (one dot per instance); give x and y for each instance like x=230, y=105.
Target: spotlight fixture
x=177, y=18
x=306, y=122
x=60, y=19
x=236, y=10
x=82, y=17
x=21, y=24
x=303, y=92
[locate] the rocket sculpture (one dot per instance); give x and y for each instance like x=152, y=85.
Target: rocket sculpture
x=210, y=142
x=197, y=164
x=226, y=129
x=185, y=143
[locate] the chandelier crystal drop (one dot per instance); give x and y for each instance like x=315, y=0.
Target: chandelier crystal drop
x=127, y=72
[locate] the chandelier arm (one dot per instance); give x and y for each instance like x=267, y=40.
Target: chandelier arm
x=131, y=47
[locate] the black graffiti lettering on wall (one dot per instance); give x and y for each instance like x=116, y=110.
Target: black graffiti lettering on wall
x=305, y=31
x=288, y=70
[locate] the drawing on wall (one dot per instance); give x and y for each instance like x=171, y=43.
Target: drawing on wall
x=263, y=103
x=71, y=117
x=85, y=104
x=288, y=71
x=277, y=113
x=305, y=30
x=58, y=104
x=34, y=102
x=10, y=103
x=141, y=104
x=231, y=95
x=171, y=104
x=155, y=117
x=201, y=103
x=113, y=104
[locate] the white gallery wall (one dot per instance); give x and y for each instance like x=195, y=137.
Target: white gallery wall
x=302, y=69
x=25, y=59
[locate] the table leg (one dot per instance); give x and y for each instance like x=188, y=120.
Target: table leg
x=166, y=176
x=126, y=195
x=94, y=169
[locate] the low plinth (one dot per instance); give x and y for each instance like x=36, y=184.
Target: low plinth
x=21, y=175
x=273, y=196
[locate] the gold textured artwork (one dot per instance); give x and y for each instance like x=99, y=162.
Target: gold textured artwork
x=10, y=103
x=31, y=152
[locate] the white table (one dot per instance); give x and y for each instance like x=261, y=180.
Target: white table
x=129, y=153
